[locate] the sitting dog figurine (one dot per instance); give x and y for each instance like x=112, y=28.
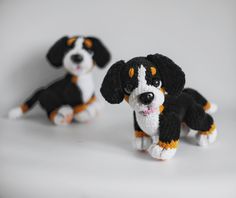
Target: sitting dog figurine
x=153, y=87
x=71, y=97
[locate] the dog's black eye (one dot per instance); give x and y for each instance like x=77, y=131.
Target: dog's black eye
x=156, y=83
x=128, y=88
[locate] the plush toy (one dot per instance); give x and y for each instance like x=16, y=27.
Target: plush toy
x=71, y=97
x=153, y=87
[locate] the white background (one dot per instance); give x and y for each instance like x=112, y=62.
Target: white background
x=38, y=159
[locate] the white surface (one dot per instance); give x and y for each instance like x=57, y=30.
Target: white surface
x=38, y=159
x=97, y=160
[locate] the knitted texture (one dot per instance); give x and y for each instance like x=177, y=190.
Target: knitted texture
x=73, y=93
x=140, y=134
x=212, y=129
x=153, y=87
x=172, y=145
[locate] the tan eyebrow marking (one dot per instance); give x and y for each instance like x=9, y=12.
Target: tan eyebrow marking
x=88, y=43
x=71, y=40
x=131, y=72
x=153, y=71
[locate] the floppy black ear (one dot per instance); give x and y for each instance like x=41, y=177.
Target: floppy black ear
x=111, y=88
x=101, y=54
x=56, y=52
x=173, y=78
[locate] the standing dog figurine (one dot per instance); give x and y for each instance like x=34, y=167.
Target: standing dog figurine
x=153, y=87
x=71, y=97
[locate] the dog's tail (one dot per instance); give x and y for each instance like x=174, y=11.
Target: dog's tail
x=209, y=107
x=26, y=106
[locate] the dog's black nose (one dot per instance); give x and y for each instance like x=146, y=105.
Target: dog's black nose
x=77, y=58
x=146, y=98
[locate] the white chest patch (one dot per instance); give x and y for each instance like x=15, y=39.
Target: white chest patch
x=85, y=84
x=149, y=124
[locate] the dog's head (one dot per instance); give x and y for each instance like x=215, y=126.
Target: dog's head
x=78, y=54
x=143, y=82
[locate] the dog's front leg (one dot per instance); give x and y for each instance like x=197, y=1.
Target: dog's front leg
x=86, y=112
x=141, y=141
x=168, y=142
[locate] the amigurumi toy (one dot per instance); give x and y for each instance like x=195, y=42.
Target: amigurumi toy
x=71, y=97
x=153, y=87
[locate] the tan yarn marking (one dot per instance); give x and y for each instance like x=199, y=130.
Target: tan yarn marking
x=153, y=71
x=88, y=43
x=209, y=132
x=161, y=108
x=126, y=98
x=207, y=106
x=139, y=134
x=53, y=115
x=162, y=90
x=24, y=108
x=74, y=79
x=172, y=145
x=80, y=108
x=131, y=72
x=71, y=40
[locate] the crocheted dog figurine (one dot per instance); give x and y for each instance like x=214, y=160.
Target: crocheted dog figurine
x=153, y=87
x=71, y=97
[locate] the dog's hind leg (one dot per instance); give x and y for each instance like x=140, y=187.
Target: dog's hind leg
x=197, y=119
x=58, y=113
x=87, y=111
x=209, y=107
x=141, y=140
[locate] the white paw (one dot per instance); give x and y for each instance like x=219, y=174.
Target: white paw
x=160, y=153
x=142, y=143
x=15, y=113
x=212, y=109
x=91, y=111
x=64, y=116
x=84, y=116
x=205, y=140
x=185, y=130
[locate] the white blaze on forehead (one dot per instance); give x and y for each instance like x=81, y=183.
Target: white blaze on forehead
x=79, y=42
x=142, y=76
